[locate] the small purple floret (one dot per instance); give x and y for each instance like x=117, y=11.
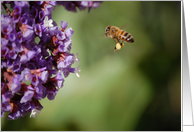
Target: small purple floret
x=64, y=25
x=27, y=96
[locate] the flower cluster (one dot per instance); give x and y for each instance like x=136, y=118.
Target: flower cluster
x=81, y=5
x=35, y=55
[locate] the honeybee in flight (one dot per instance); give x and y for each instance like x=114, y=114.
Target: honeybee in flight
x=119, y=36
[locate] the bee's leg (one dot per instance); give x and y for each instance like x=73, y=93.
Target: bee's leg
x=115, y=49
x=116, y=40
x=122, y=44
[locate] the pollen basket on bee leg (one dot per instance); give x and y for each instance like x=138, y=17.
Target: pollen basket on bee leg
x=118, y=46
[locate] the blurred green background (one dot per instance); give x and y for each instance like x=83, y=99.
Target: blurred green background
x=136, y=88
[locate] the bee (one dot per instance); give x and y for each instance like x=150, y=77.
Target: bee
x=119, y=36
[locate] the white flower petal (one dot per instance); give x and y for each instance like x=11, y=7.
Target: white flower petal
x=34, y=113
x=51, y=25
x=77, y=74
x=48, y=23
x=45, y=19
x=77, y=70
x=76, y=59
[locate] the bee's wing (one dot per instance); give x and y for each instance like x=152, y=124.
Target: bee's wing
x=125, y=26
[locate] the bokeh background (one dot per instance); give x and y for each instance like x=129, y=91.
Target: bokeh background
x=136, y=88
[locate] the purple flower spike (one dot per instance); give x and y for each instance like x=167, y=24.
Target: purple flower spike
x=34, y=70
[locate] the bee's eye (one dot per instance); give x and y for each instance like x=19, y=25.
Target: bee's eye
x=108, y=29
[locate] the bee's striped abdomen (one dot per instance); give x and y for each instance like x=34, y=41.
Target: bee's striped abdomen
x=119, y=35
x=123, y=35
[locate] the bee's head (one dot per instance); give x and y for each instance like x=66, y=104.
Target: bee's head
x=107, y=30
